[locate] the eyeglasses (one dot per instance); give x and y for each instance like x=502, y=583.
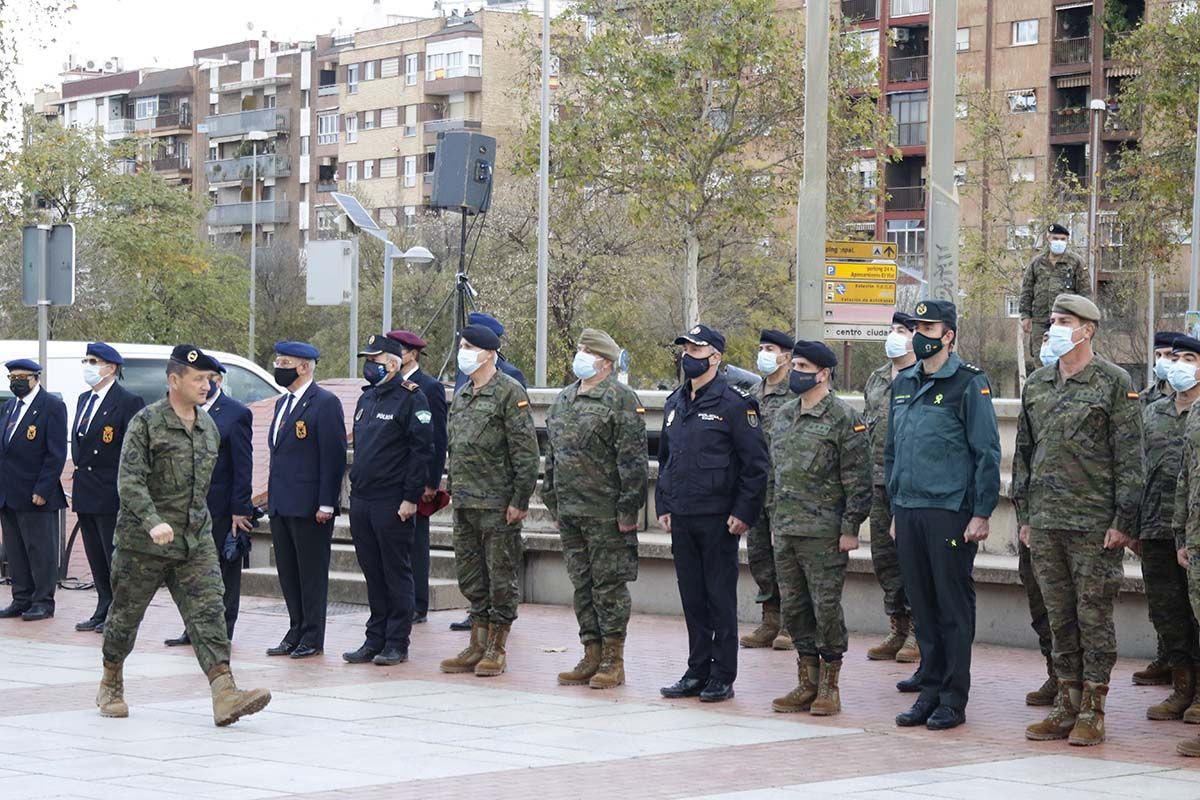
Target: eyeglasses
x=91, y=361
x=283, y=363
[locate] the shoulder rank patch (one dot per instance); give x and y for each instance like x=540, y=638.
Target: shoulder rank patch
x=1131, y=395
x=412, y=387
x=740, y=390
x=522, y=403
x=985, y=391
x=752, y=417
x=640, y=410
x=859, y=428
x=972, y=368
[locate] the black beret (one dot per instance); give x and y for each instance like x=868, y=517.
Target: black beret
x=191, y=356
x=779, y=338
x=481, y=336
x=1058, y=229
x=1184, y=344
x=1165, y=339
x=816, y=352
x=900, y=318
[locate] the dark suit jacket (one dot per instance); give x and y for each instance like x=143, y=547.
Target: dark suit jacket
x=32, y=461
x=232, y=476
x=97, y=453
x=308, y=460
x=435, y=395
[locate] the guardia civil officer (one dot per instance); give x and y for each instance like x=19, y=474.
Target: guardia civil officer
x=942, y=464
x=712, y=477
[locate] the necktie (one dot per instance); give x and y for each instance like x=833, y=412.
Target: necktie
x=287, y=409
x=87, y=414
x=12, y=420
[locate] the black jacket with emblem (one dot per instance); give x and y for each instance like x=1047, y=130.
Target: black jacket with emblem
x=393, y=442
x=96, y=452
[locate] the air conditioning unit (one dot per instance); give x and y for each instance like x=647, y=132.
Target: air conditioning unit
x=902, y=34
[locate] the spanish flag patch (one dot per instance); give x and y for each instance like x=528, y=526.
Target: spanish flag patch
x=985, y=391
x=640, y=410
x=859, y=428
x=522, y=403
x=1131, y=395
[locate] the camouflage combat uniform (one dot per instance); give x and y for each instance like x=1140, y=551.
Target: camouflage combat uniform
x=877, y=400
x=1046, y=277
x=595, y=479
x=1187, y=508
x=760, y=553
x=1155, y=392
x=821, y=478
x=164, y=476
x=493, y=464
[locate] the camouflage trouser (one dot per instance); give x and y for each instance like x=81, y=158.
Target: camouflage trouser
x=1039, y=620
x=1079, y=580
x=487, y=555
x=884, y=557
x=600, y=560
x=196, y=587
x=761, y=555
x=1170, y=609
x=811, y=575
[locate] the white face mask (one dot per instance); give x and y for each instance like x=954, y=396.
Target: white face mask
x=1061, y=340
x=1048, y=358
x=767, y=362
x=1058, y=246
x=1162, y=367
x=468, y=360
x=91, y=374
x=896, y=345
x=1181, y=376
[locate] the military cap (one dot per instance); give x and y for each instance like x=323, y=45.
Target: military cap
x=937, y=311
x=298, y=350
x=1060, y=230
x=104, y=352
x=778, y=338
x=220, y=367
x=408, y=339
x=23, y=363
x=1165, y=339
x=1184, y=344
x=1076, y=306
x=481, y=336
x=900, y=318
x=600, y=343
x=816, y=352
x=702, y=334
x=191, y=356
x=486, y=320
x=378, y=343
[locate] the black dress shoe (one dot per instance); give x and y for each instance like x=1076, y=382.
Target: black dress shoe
x=360, y=656
x=391, y=656
x=13, y=610
x=684, y=687
x=418, y=618
x=89, y=624
x=910, y=685
x=306, y=651
x=36, y=614
x=716, y=691
x=179, y=641
x=465, y=625
x=945, y=718
x=920, y=712
x=99, y=628
x=281, y=649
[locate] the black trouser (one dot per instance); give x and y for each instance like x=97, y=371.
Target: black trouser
x=98, y=546
x=937, y=564
x=383, y=544
x=302, y=561
x=706, y=568
x=420, y=564
x=32, y=548
x=231, y=572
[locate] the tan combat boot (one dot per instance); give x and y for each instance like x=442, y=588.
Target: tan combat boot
x=470, y=656
x=586, y=667
x=111, y=697
x=1183, y=681
x=767, y=630
x=612, y=665
x=1045, y=695
x=1089, y=726
x=494, y=660
x=889, y=647
x=783, y=641
x=801, y=698
x=829, y=698
x=1189, y=747
x=231, y=703
x=1060, y=721
x=911, y=652
x=1156, y=673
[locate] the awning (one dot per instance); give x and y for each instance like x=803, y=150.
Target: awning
x=1073, y=81
x=1122, y=71
x=1069, y=6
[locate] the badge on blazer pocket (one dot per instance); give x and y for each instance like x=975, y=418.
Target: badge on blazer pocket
x=31, y=432
x=107, y=434
x=301, y=429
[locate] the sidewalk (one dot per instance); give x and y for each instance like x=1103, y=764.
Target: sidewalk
x=341, y=731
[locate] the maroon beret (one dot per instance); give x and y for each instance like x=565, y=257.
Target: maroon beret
x=408, y=339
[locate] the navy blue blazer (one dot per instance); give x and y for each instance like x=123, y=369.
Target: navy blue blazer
x=308, y=460
x=32, y=461
x=233, y=474
x=435, y=395
x=97, y=453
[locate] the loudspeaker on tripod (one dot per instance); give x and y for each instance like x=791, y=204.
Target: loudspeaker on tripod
x=462, y=172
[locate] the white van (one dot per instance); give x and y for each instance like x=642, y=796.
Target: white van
x=144, y=371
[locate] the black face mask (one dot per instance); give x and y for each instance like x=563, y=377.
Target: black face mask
x=694, y=367
x=212, y=390
x=19, y=386
x=801, y=382
x=926, y=346
x=286, y=376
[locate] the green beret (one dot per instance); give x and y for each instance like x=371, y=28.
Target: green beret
x=600, y=343
x=1076, y=306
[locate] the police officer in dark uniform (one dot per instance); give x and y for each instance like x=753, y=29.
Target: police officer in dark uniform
x=942, y=465
x=33, y=451
x=393, y=444
x=101, y=416
x=712, y=477
x=435, y=394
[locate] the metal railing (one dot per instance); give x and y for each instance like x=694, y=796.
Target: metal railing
x=116, y=127
x=455, y=124
x=239, y=213
x=909, y=68
x=906, y=198
x=1075, y=122
x=240, y=122
x=1071, y=51
x=328, y=89
x=270, y=165
x=860, y=9
x=171, y=163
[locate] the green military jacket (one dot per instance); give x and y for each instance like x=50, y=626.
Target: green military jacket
x=1154, y=392
x=1079, y=463
x=877, y=403
x=1164, y=428
x=493, y=448
x=164, y=475
x=596, y=456
x=820, y=470
x=1048, y=276
x=770, y=400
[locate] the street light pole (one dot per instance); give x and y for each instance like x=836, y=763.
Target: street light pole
x=1194, y=278
x=543, y=262
x=810, y=205
x=1098, y=107
x=255, y=137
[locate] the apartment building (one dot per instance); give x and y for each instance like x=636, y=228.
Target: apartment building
x=162, y=122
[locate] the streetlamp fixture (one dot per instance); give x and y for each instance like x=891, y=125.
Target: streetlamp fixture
x=254, y=137
x=415, y=255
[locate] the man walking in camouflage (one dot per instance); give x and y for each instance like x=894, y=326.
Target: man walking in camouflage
x=492, y=474
x=164, y=534
x=1186, y=523
x=1078, y=474
x=821, y=477
x=775, y=364
x=1052, y=272
x=594, y=486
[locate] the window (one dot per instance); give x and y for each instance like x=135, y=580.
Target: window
x=147, y=107
x=351, y=128
x=368, y=121
x=434, y=66
x=325, y=219
x=474, y=64
x=389, y=117
x=388, y=217
x=1012, y=306
x=1022, y=101
x=870, y=43
x=1024, y=32
x=389, y=67
x=327, y=128
x=910, y=112
x=410, y=120
x=351, y=172
x=369, y=71
x=1022, y=170
x=305, y=145
x=410, y=70
x=268, y=101
x=368, y=170
x=387, y=167
x=867, y=171
x=962, y=39
x=960, y=173
x=1172, y=305
x=410, y=170
x=1020, y=237
x=454, y=65
x=352, y=79
x=410, y=215
x=902, y=8
x=213, y=153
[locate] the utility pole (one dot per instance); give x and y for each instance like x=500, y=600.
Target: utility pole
x=1098, y=107
x=543, y=262
x=941, y=270
x=1194, y=277
x=810, y=204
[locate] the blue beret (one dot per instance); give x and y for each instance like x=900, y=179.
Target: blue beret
x=486, y=320
x=816, y=352
x=297, y=350
x=481, y=336
x=220, y=367
x=23, y=363
x=779, y=338
x=192, y=356
x=104, y=352
x=1185, y=344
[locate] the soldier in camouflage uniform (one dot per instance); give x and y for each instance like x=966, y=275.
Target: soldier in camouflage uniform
x=774, y=363
x=594, y=486
x=1078, y=475
x=1052, y=272
x=1186, y=526
x=901, y=645
x=821, y=478
x=164, y=534
x=493, y=469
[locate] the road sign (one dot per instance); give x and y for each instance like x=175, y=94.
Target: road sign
x=857, y=314
x=860, y=292
x=861, y=270
x=866, y=332
x=861, y=250
x=57, y=247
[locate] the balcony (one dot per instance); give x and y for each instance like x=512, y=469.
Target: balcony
x=240, y=123
x=1123, y=120
x=270, y=165
x=174, y=119
x=1071, y=51
x=906, y=198
x=907, y=8
x=119, y=127
x=442, y=82
x=171, y=164
x=269, y=211
x=327, y=90
x=860, y=9
x=908, y=69
x=1067, y=121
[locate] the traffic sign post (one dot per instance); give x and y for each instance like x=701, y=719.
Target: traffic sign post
x=47, y=274
x=859, y=290
x=860, y=250
x=873, y=293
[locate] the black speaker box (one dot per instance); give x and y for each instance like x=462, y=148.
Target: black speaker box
x=462, y=172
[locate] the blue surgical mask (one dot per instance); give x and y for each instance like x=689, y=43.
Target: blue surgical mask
x=91, y=374
x=1048, y=358
x=1181, y=376
x=373, y=372
x=896, y=345
x=1161, y=367
x=584, y=365
x=767, y=362
x=1058, y=246
x=468, y=360
x=1061, y=340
